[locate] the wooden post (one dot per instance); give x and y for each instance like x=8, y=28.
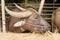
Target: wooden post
x=0, y=25
x=26, y=2
x=41, y=6
x=3, y=15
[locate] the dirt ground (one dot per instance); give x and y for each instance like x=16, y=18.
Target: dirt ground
x=29, y=36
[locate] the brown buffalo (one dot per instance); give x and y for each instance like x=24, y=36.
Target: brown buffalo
x=56, y=20
x=33, y=21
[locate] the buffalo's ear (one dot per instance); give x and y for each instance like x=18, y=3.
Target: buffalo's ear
x=19, y=23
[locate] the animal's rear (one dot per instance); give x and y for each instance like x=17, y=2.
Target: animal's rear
x=56, y=20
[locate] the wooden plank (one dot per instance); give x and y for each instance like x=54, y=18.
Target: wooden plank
x=3, y=16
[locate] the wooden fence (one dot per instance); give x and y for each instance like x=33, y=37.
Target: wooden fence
x=46, y=13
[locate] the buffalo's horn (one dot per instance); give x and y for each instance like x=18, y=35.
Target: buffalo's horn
x=19, y=7
x=21, y=14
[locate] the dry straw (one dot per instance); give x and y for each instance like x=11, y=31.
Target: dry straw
x=30, y=36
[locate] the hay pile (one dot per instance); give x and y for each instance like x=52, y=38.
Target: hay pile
x=29, y=36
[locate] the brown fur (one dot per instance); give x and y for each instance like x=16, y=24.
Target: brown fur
x=56, y=20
